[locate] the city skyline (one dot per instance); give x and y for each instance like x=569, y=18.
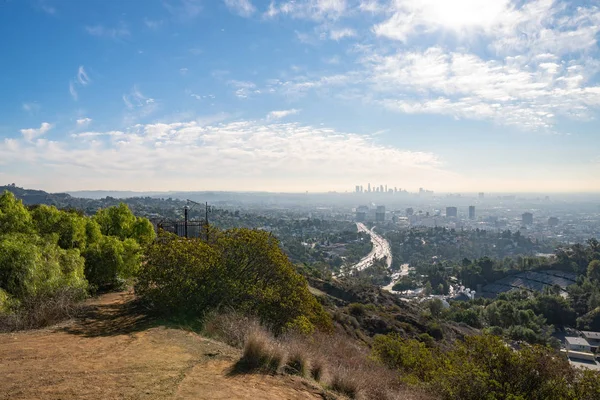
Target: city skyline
x=305, y=95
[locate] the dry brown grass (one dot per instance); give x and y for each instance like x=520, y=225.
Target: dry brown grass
x=318, y=369
x=261, y=353
x=298, y=363
x=337, y=362
x=346, y=382
x=42, y=311
x=231, y=328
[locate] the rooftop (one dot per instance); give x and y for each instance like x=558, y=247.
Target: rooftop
x=591, y=335
x=577, y=340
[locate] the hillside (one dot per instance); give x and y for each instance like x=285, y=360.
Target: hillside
x=31, y=196
x=113, y=352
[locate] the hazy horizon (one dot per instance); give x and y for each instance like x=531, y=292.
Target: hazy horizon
x=307, y=95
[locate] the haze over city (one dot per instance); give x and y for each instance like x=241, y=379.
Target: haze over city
x=294, y=96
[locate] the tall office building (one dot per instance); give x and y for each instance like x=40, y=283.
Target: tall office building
x=386, y=189
x=409, y=211
x=357, y=188
x=361, y=213
x=471, y=212
x=369, y=188
x=552, y=221
x=481, y=195
x=361, y=188
x=381, y=188
x=451, y=212
x=527, y=218
x=380, y=214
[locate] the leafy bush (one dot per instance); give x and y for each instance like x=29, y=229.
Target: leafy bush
x=110, y=261
x=46, y=255
x=484, y=367
x=241, y=269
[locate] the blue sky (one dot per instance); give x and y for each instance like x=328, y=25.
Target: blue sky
x=300, y=95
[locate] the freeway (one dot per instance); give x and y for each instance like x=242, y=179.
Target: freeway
x=381, y=249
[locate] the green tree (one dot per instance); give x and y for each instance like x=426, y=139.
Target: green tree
x=69, y=226
x=14, y=217
x=110, y=261
x=116, y=221
x=30, y=266
x=241, y=269
x=593, y=270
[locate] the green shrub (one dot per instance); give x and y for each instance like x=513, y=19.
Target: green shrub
x=14, y=217
x=30, y=266
x=110, y=261
x=356, y=309
x=241, y=269
x=484, y=367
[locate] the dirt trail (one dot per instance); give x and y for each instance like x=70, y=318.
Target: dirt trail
x=115, y=352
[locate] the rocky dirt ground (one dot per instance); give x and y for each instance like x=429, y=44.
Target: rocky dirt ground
x=115, y=352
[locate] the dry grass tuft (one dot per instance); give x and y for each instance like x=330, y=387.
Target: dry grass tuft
x=298, y=363
x=346, y=382
x=318, y=369
x=261, y=353
x=232, y=328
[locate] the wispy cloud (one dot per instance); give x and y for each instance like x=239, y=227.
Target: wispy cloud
x=153, y=24
x=308, y=9
x=199, y=97
x=244, y=89
x=243, y=8
x=83, y=122
x=183, y=10
x=539, y=62
x=241, y=155
x=138, y=105
x=81, y=79
x=31, y=108
x=31, y=133
x=183, y=71
x=48, y=9
x=273, y=115
x=338, y=34
x=82, y=76
x=115, y=33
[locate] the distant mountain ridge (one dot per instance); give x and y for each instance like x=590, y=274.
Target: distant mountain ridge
x=32, y=196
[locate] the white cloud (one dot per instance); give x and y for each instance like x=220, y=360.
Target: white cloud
x=153, y=24
x=183, y=71
x=183, y=10
x=243, y=88
x=243, y=8
x=138, y=105
x=514, y=63
x=514, y=91
x=338, y=34
x=206, y=96
x=115, y=33
x=73, y=91
x=31, y=107
x=242, y=155
x=273, y=115
x=84, y=122
x=308, y=9
x=31, y=133
x=82, y=77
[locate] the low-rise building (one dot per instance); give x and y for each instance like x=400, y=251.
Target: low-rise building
x=578, y=344
x=593, y=338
